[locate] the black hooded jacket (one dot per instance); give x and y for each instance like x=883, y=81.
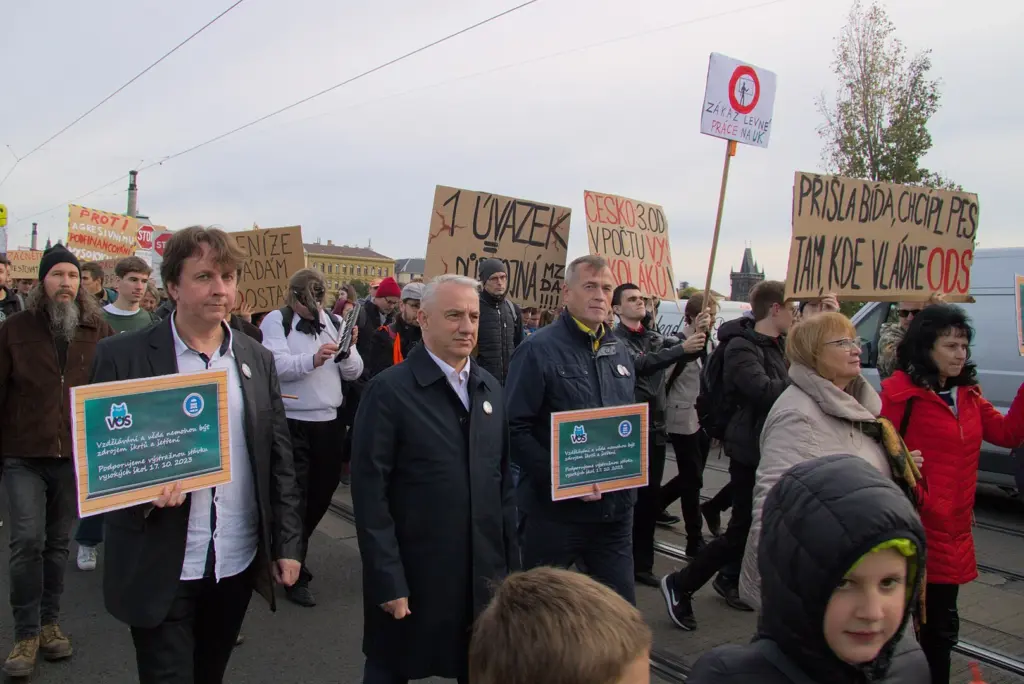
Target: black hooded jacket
x=500, y=332
x=755, y=375
x=819, y=520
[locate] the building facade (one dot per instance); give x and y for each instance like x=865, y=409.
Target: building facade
x=744, y=280
x=408, y=270
x=341, y=264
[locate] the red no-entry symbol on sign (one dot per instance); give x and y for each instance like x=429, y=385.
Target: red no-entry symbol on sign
x=744, y=89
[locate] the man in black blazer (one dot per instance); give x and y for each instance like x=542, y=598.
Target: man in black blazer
x=180, y=572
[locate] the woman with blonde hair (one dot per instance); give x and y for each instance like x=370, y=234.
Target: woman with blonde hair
x=829, y=408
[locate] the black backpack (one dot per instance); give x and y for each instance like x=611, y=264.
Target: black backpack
x=715, y=403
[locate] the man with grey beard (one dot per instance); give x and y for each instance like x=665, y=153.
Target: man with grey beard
x=44, y=352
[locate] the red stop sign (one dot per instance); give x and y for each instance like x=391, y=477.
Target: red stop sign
x=160, y=242
x=145, y=237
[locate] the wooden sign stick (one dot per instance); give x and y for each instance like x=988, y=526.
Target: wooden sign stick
x=730, y=152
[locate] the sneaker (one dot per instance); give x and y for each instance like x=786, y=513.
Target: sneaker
x=647, y=578
x=680, y=606
x=300, y=594
x=713, y=519
x=87, y=556
x=731, y=594
x=666, y=519
x=53, y=644
x=22, y=660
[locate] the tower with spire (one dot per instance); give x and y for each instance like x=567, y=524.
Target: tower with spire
x=744, y=280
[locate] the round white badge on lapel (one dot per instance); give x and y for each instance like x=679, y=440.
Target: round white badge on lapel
x=488, y=409
x=248, y=373
x=622, y=370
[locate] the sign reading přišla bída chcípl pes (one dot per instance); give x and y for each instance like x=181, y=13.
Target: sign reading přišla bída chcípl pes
x=606, y=447
x=133, y=437
x=739, y=101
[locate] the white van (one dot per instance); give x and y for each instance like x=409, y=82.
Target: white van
x=994, y=348
x=670, y=315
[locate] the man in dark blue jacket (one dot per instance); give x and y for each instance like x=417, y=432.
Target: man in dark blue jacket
x=575, y=363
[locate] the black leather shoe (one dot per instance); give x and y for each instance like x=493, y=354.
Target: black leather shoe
x=301, y=595
x=731, y=594
x=647, y=578
x=666, y=519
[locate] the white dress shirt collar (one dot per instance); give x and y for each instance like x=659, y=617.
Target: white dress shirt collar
x=181, y=348
x=459, y=380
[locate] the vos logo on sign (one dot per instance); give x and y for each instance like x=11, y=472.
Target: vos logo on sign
x=579, y=435
x=119, y=418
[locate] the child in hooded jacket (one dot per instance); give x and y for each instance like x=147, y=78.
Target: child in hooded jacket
x=841, y=559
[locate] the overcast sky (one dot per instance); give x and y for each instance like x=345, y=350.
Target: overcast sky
x=361, y=163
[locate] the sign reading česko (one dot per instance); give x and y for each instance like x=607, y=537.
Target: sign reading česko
x=873, y=241
x=272, y=256
x=133, y=437
x=530, y=237
x=633, y=237
x=739, y=101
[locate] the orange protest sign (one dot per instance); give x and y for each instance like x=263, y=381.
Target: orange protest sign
x=95, y=235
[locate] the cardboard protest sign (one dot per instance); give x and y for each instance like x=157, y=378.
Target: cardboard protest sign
x=739, y=101
x=133, y=437
x=1018, y=291
x=95, y=235
x=272, y=256
x=24, y=263
x=633, y=237
x=109, y=267
x=467, y=227
x=873, y=241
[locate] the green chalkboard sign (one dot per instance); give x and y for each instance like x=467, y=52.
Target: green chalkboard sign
x=604, y=448
x=134, y=437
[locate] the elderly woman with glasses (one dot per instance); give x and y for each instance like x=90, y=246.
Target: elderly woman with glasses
x=829, y=408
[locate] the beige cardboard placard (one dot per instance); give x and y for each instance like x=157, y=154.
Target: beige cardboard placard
x=530, y=237
x=871, y=241
x=633, y=237
x=109, y=272
x=24, y=263
x=95, y=235
x=272, y=256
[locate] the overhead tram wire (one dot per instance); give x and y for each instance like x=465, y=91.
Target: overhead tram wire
x=125, y=85
x=294, y=104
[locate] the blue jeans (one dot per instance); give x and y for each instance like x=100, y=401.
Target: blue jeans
x=41, y=494
x=90, y=531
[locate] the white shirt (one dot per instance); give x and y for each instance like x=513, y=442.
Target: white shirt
x=237, y=533
x=459, y=380
x=318, y=389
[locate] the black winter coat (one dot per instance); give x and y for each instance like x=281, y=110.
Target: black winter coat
x=435, y=512
x=802, y=557
x=755, y=375
x=652, y=354
x=501, y=331
x=557, y=369
x=382, y=346
x=11, y=304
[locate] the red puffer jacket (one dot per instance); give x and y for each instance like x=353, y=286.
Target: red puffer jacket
x=950, y=445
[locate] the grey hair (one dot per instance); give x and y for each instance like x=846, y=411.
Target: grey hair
x=594, y=261
x=430, y=291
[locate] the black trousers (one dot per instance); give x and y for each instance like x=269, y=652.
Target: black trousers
x=727, y=550
x=194, y=642
x=317, y=449
x=691, y=456
x=647, y=508
x=603, y=548
x=941, y=629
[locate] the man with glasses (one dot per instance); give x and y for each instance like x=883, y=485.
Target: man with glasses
x=304, y=340
x=893, y=332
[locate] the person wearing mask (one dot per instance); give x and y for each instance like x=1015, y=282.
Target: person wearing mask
x=433, y=496
x=45, y=350
x=690, y=444
x=10, y=301
x=501, y=321
x=392, y=343
x=827, y=409
x=754, y=376
x=303, y=339
x=935, y=398
x=842, y=566
x=180, y=571
x=893, y=332
x=574, y=363
x=652, y=354
x=92, y=281
x=124, y=314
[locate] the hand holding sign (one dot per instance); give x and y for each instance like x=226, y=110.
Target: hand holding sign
x=171, y=496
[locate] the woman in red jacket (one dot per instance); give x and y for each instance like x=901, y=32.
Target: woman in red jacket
x=935, y=400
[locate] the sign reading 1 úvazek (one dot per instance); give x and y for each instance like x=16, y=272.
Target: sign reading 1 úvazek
x=873, y=241
x=739, y=101
x=133, y=437
x=606, y=447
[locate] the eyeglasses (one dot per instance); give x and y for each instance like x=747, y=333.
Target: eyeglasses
x=847, y=344
x=907, y=313
x=391, y=301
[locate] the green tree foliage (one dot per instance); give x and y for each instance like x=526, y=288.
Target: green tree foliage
x=848, y=309
x=876, y=127
x=362, y=289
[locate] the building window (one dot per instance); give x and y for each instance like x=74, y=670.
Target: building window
x=385, y=271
